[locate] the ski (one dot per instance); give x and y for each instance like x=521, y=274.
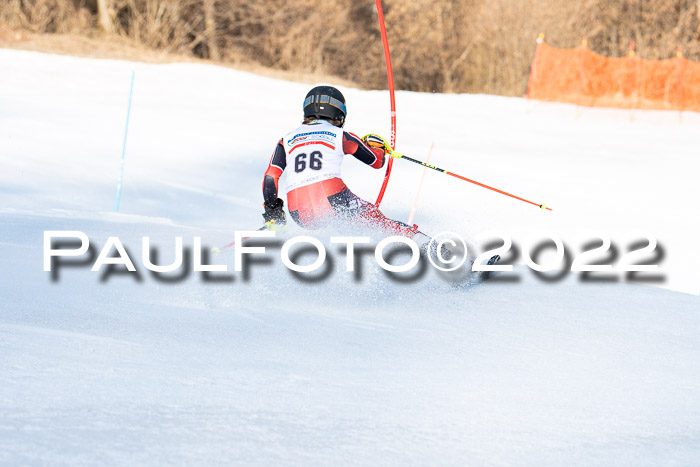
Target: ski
x=486, y=275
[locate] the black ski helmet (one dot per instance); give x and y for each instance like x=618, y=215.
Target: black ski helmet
x=325, y=101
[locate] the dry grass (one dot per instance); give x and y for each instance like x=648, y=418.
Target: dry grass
x=437, y=45
x=119, y=48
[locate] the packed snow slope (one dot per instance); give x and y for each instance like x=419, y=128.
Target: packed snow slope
x=266, y=369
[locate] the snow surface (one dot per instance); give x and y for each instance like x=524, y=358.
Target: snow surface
x=268, y=369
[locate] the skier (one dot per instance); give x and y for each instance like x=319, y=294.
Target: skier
x=312, y=155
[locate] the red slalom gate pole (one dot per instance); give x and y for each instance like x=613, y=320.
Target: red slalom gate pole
x=633, y=77
x=581, y=73
x=533, y=69
x=390, y=77
x=679, y=71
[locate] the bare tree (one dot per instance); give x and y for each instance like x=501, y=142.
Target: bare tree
x=104, y=16
x=210, y=29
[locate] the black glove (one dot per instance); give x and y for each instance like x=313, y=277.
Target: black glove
x=274, y=212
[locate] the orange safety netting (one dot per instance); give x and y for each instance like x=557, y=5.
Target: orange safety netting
x=584, y=77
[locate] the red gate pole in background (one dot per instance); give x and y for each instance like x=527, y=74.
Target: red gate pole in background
x=633, y=78
x=412, y=214
x=540, y=40
x=679, y=71
x=390, y=77
x=582, y=73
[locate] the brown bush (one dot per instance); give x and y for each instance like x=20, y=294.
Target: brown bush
x=46, y=16
x=439, y=45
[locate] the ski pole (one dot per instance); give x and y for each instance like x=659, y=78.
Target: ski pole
x=424, y=164
x=216, y=250
x=398, y=155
